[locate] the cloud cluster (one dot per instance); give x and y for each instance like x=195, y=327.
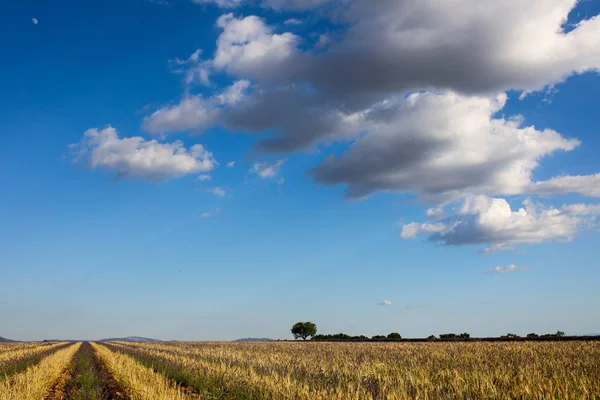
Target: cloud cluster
x=486, y=221
x=441, y=146
x=137, y=158
x=416, y=88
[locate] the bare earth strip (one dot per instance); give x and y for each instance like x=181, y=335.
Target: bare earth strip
x=35, y=382
x=86, y=378
x=140, y=382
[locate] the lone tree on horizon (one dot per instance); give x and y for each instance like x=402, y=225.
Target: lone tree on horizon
x=304, y=330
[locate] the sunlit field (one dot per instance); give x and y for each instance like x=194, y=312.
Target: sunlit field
x=301, y=370
x=557, y=370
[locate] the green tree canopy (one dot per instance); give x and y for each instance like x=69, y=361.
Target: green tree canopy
x=304, y=330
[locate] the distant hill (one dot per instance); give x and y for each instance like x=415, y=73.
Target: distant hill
x=254, y=340
x=130, y=339
x=4, y=340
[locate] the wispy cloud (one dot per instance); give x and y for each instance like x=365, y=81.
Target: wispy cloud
x=293, y=21
x=209, y=214
x=219, y=191
x=266, y=170
x=203, y=178
x=230, y=164
x=508, y=268
x=385, y=303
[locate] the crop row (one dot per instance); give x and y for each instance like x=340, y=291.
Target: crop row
x=377, y=370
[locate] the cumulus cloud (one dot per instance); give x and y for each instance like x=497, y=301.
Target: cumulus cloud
x=247, y=47
x=296, y=117
x=230, y=164
x=508, y=268
x=420, y=45
x=202, y=178
x=137, y=158
x=266, y=170
x=219, y=191
x=454, y=45
x=385, y=303
x=194, y=112
x=441, y=146
x=482, y=220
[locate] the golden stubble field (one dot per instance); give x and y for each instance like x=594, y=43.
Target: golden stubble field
x=476, y=370
x=303, y=370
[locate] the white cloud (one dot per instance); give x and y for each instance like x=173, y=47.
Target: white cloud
x=455, y=45
x=293, y=21
x=230, y=164
x=435, y=213
x=202, y=178
x=267, y=169
x=442, y=147
x=247, y=47
x=194, y=112
x=490, y=221
x=234, y=93
x=218, y=191
x=34, y=20
x=191, y=113
x=385, y=303
x=138, y=158
x=209, y=214
x=193, y=58
x=587, y=185
x=508, y=268
x=591, y=210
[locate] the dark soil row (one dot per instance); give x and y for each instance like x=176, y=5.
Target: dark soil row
x=86, y=378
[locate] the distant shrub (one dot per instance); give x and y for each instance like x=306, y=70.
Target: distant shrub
x=394, y=335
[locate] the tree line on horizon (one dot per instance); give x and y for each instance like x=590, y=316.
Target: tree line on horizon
x=305, y=330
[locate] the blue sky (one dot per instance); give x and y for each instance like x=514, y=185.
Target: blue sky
x=381, y=151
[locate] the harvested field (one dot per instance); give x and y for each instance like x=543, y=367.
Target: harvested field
x=35, y=382
x=502, y=370
x=86, y=378
x=18, y=358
